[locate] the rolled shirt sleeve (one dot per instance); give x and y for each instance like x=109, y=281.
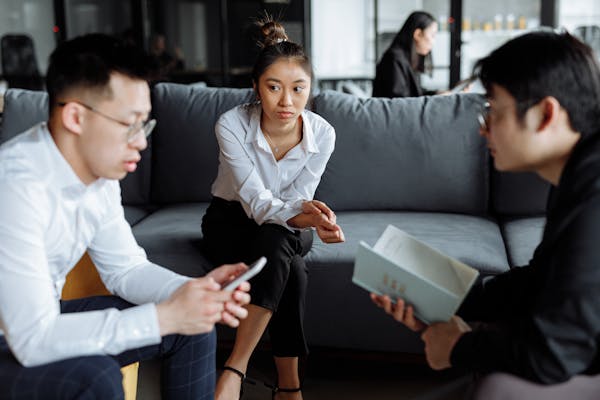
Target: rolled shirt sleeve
x=30, y=317
x=122, y=263
x=48, y=219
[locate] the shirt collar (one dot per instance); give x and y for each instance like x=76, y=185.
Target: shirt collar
x=308, y=143
x=255, y=133
x=63, y=176
x=308, y=136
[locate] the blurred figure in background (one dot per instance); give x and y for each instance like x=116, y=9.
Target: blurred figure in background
x=409, y=55
x=167, y=62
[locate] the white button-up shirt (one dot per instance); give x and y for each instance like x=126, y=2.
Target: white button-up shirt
x=269, y=191
x=48, y=218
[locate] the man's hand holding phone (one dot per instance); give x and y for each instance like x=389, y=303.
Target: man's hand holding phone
x=198, y=304
x=239, y=287
x=254, y=269
x=233, y=279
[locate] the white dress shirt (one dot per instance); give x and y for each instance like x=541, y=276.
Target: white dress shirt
x=48, y=218
x=269, y=190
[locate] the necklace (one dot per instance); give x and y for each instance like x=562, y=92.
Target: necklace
x=275, y=148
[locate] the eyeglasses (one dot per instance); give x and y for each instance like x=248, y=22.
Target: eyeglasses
x=484, y=116
x=133, y=130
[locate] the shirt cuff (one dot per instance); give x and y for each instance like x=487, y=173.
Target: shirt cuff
x=138, y=327
x=284, y=215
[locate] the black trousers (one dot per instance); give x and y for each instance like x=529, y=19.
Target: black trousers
x=230, y=236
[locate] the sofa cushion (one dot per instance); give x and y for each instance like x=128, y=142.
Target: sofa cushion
x=420, y=153
x=523, y=194
x=185, y=151
x=25, y=108
x=172, y=237
x=522, y=236
x=22, y=110
x=473, y=240
x=134, y=214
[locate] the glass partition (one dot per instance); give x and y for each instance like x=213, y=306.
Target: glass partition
x=34, y=18
x=112, y=17
x=582, y=18
x=487, y=25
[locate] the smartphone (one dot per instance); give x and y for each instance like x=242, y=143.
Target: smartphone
x=254, y=269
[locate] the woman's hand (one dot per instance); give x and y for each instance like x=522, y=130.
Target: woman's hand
x=327, y=228
x=330, y=233
x=318, y=215
x=316, y=207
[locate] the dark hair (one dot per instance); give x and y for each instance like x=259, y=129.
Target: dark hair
x=543, y=63
x=404, y=39
x=87, y=62
x=274, y=45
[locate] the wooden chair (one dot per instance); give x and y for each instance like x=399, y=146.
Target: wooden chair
x=84, y=281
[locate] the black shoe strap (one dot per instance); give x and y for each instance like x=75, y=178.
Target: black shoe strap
x=236, y=371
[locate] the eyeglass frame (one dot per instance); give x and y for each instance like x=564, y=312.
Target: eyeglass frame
x=133, y=130
x=484, y=114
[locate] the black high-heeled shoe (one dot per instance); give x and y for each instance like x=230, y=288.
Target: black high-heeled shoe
x=243, y=378
x=276, y=389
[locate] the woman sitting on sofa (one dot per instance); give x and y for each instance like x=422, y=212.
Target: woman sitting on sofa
x=272, y=155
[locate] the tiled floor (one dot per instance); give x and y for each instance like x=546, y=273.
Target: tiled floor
x=354, y=376
x=339, y=375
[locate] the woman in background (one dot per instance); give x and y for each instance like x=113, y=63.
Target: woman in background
x=409, y=55
x=272, y=155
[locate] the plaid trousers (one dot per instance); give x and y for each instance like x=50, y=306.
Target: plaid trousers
x=188, y=366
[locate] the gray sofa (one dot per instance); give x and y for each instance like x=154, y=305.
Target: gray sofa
x=416, y=163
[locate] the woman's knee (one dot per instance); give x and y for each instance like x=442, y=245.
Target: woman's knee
x=275, y=242
x=298, y=275
x=298, y=265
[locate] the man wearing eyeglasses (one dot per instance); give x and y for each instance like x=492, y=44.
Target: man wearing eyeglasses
x=541, y=321
x=60, y=196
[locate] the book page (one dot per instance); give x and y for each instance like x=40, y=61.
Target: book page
x=424, y=261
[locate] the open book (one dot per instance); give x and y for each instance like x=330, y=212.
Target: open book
x=401, y=266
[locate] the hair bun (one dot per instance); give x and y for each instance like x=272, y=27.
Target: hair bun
x=272, y=32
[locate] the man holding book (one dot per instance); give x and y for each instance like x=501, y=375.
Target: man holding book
x=541, y=322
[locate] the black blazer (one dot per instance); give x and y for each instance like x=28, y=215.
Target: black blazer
x=543, y=320
x=394, y=76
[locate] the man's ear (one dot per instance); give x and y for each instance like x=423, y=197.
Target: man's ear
x=549, y=108
x=72, y=118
